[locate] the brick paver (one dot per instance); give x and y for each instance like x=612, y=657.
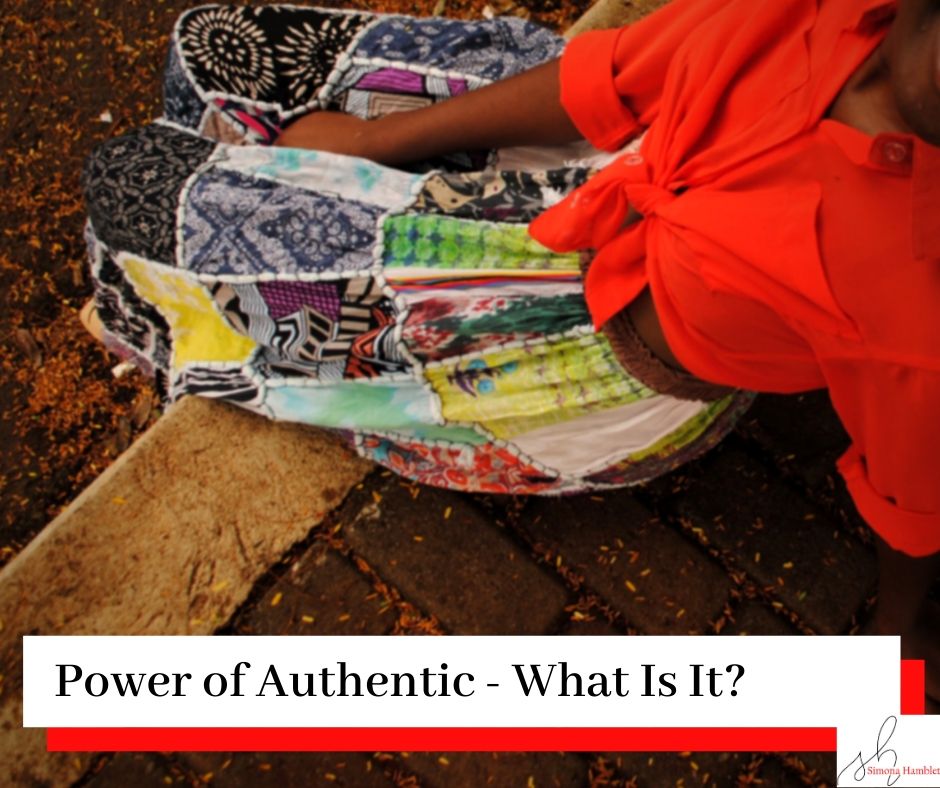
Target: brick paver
x=140, y=770
x=788, y=545
x=446, y=556
x=590, y=627
x=801, y=433
x=662, y=584
x=509, y=769
x=281, y=770
x=772, y=772
x=321, y=593
x=654, y=770
x=248, y=770
x=755, y=618
x=803, y=438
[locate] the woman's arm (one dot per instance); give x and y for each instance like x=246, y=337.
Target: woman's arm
x=522, y=110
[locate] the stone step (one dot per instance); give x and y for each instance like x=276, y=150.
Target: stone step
x=169, y=540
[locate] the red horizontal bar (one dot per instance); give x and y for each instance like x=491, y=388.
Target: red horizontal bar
x=441, y=739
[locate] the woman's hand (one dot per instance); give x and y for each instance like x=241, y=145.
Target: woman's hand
x=334, y=132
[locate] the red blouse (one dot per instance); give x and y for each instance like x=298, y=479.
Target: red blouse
x=784, y=252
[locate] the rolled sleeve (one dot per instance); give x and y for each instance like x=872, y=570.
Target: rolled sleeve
x=589, y=94
x=912, y=532
x=612, y=80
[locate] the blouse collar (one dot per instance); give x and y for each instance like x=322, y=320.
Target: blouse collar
x=872, y=14
x=903, y=155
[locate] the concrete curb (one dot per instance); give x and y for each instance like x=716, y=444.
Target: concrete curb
x=169, y=540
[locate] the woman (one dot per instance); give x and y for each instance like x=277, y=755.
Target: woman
x=774, y=230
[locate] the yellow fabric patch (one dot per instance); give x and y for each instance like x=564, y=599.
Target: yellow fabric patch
x=200, y=333
x=515, y=390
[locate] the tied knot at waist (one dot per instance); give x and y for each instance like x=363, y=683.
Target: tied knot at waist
x=647, y=198
x=636, y=181
x=760, y=244
x=608, y=198
x=597, y=216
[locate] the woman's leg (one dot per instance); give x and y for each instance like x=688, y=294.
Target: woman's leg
x=283, y=280
x=293, y=235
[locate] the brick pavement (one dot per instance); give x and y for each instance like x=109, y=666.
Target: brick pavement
x=750, y=539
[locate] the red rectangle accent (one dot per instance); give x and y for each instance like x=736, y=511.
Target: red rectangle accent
x=913, y=687
x=441, y=739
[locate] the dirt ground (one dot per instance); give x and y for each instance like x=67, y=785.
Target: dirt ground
x=77, y=72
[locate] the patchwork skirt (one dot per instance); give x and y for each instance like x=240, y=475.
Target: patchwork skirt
x=409, y=310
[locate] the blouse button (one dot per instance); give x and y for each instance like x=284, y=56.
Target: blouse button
x=896, y=152
x=892, y=152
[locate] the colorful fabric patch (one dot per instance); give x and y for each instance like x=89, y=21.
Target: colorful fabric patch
x=260, y=127
x=221, y=127
x=226, y=48
x=399, y=80
x=448, y=322
x=199, y=332
x=605, y=436
x=516, y=390
x=309, y=48
x=370, y=104
x=434, y=433
x=497, y=196
x=276, y=54
x=370, y=90
x=326, y=298
x=181, y=102
x=352, y=405
x=236, y=224
x=487, y=468
x=132, y=187
x=686, y=443
x=423, y=242
x=345, y=326
x=328, y=174
x=132, y=322
x=230, y=384
x=492, y=49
